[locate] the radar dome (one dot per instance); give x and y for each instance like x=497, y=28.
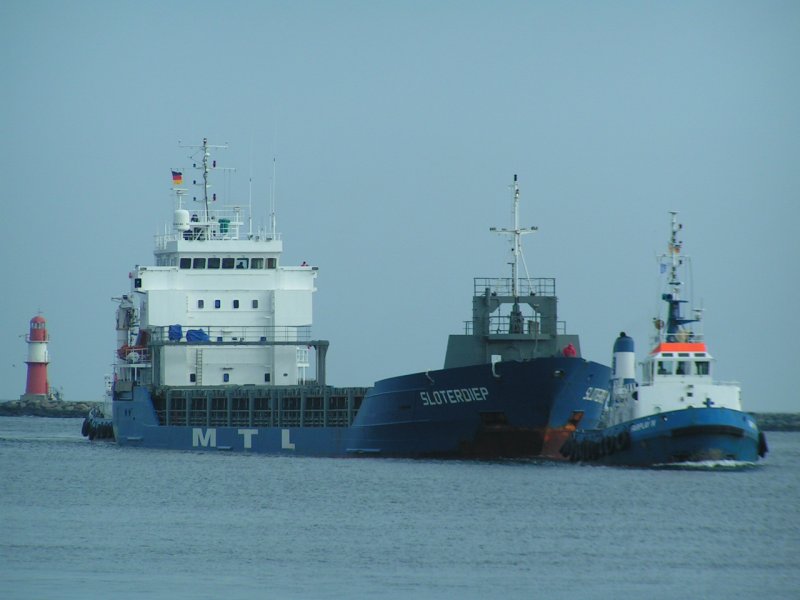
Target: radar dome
x=181, y=221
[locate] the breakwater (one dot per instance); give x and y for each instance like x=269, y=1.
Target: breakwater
x=778, y=421
x=46, y=407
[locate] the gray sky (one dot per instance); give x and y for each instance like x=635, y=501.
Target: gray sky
x=397, y=128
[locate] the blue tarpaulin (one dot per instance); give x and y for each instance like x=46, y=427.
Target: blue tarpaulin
x=175, y=333
x=196, y=335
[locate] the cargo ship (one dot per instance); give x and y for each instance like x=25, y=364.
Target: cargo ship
x=215, y=352
x=678, y=414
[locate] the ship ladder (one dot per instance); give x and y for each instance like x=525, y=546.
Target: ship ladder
x=198, y=366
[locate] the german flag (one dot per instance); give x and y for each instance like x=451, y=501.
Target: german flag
x=177, y=178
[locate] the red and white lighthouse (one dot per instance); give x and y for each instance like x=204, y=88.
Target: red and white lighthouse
x=37, y=360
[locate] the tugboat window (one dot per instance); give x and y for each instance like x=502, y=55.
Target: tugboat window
x=213, y=263
x=186, y=263
x=702, y=367
x=256, y=263
x=227, y=263
x=272, y=263
x=682, y=370
x=241, y=263
x=199, y=263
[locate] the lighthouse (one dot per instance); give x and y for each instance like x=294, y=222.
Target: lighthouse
x=37, y=387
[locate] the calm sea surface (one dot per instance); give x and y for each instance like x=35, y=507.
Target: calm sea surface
x=89, y=520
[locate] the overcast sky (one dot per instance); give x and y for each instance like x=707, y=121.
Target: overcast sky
x=397, y=128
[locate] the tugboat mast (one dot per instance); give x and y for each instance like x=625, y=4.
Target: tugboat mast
x=675, y=320
x=674, y=251
x=517, y=232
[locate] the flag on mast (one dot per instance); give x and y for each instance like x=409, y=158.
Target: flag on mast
x=177, y=178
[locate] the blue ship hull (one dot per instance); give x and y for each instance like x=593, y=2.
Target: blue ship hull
x=683, y=436
x=514, y=409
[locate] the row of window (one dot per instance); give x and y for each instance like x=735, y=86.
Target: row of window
x=218, y=304
x=227, y=263
x=683, y=367
x=226, y=377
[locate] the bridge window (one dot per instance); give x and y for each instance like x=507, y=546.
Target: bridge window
x=241, y=263
x=186, y=263
x=682, y=368
x=199, y=263
x=256, y=263
x=213, y=263
x=272, y=263
x=666, y=367
x=227, y=263
x=702, y=367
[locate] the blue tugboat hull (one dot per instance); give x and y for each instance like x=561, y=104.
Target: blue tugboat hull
x=690, y=435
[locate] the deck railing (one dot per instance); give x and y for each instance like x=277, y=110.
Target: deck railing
x=209, y=334
x=503, y=286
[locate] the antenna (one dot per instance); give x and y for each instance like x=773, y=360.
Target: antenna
x=250, y=195
x=273, y=200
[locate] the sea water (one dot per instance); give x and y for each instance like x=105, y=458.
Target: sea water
x=82, y=519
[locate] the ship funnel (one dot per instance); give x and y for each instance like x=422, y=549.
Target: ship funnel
x=623, y=367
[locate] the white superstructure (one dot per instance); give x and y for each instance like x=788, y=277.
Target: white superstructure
x=217, y=308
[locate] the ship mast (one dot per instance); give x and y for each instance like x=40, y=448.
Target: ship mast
x=675, y=320
x=206, y=168
x=517, y=322
x=674, y=251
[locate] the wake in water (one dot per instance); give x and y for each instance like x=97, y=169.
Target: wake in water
x=709, y=465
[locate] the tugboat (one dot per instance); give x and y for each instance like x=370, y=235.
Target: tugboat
x=677, y=415
x=97, y=425
x=214, y=352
